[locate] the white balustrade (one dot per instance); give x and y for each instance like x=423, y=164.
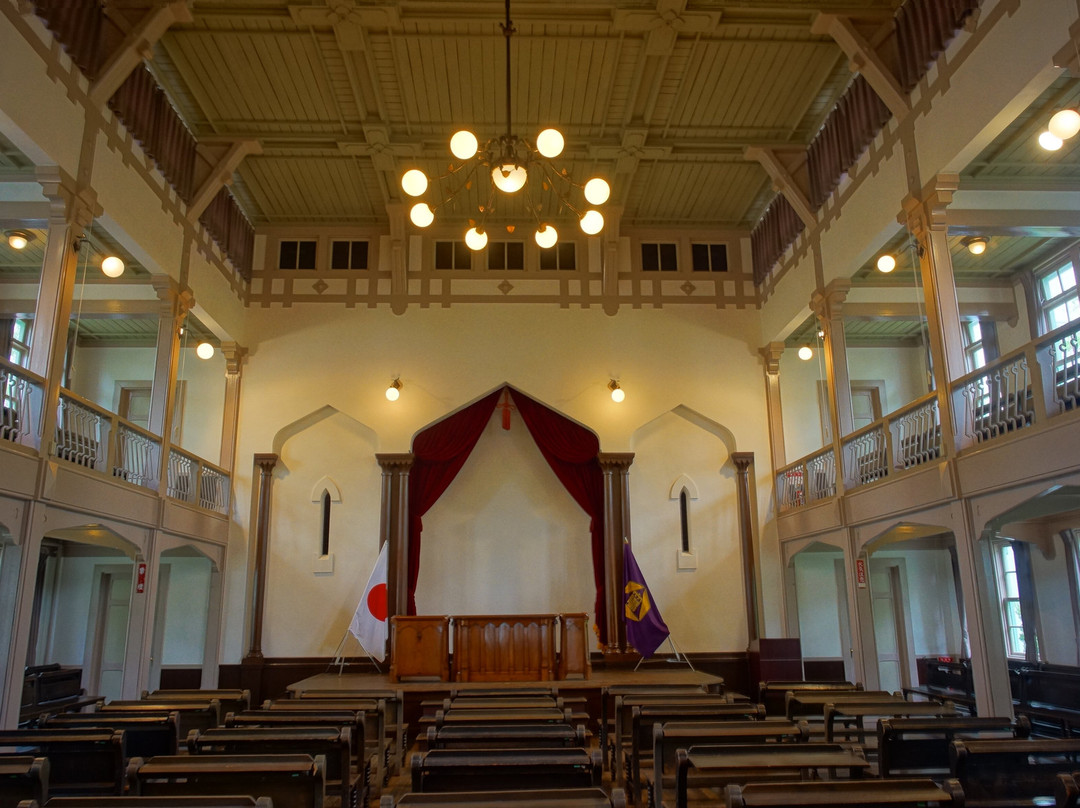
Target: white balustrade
x=808, y=480
x=1059, y=365
x=21, y=409
x=198, y=482
x=81, y=431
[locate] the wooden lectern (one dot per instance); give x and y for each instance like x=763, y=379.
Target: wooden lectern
x=421, y=648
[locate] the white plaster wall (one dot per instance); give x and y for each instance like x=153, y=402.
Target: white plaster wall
x=506, y=537
x=903, y=370
x=1057, y=638
x=95, y=372
x=799, y=403
x=819, y=604
x=931, y=600
x=186, y=610
x=204, y=403
x=704, y=608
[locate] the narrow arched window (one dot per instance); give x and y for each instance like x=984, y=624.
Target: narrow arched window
x=325, y=523
x=684, y=519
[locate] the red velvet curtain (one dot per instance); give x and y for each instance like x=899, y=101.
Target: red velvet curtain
x=571, y=451
x=923, y=29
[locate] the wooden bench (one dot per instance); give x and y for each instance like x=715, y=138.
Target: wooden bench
x=845, y=721
x=949, y=681
x=50, y=689
x=1051, y=699
x=505, y=769
x=727, y=764
x=644, y=717
x=538, y=715
x=919, y=747
x=393, y=718
x=290, y=781
x=335, y=744
x=81, y=761
x=23, y=777
x=897, y=793
x=213, y=801
x=809, y=704
x=1067, y=793
x=508, y=736
x=536, y=798
x=191, y=714
x=144, y=735
x=608, y=696
x=773, y=694
x=232, y=700
x=429, y=707
x=1006, y=771
x=669, y=737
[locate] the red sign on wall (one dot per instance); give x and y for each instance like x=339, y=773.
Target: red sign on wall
x=140, y=581
x=860, y=572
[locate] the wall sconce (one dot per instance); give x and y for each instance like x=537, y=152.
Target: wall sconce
x=394, y=390
x=617, y=393
x=806, y=353
x=886, y=263
x=204, y=350
x=112, y=266
x=18, y=239
x=976, y=245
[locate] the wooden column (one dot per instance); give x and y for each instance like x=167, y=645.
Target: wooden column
x=771, y=354
x=173, y=307
x=394, y=528
x=265, y=463
x=234, y=361
x=744, y=461
x=828, y=305
x=616, y=468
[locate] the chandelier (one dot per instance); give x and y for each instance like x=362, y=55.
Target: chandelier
x=513, y=163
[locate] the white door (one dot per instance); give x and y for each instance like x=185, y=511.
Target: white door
x=110, y=607
x=890, y=631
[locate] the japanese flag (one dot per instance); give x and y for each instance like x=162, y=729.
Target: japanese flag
x=369, y=621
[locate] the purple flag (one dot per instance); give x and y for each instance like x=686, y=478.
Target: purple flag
x=645, y=628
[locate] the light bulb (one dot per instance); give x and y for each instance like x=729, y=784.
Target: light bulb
x=976, y=246
x=414, y=182
x=204, y=350
x=547, y=236
x=806, y=353
x=550, y=143
x=886, y=263
x=112, y=267
x=17, y=240
x=1050, y=141
x=1065, y=124
x=592, y=222
x=394, y=390
x=597, y=191
x=421, y=214
x=463, y=144
x=617, y=393
x=475, y=239
x=509, y=177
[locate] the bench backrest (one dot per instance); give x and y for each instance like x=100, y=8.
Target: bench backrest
x=672, y=735
x=536, y=798
x=921, y=745
x=144, y=735
x=334, y=743
x=232, y=699
x=1014, y=769
x=290, y=781
x=502, y=736
x=23, y=777
x=811, y=703
x=192, y=714
x=505, y=769
x=772, y=694
x=215, y=801
x=863, y=793
x=546, y=715
x=81, y=761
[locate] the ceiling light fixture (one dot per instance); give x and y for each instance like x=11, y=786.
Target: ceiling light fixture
x=112, y=266
x=976, y=245
x=617, y=393
x=393, y=392
x=1065, y=124
x=204, y=350
x=806, y=353
x=513, y=163
x=886, y=263
x=18, y=239
x=1049, y=141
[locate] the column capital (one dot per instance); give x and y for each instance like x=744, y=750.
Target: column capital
x=395, y=461
x=771, y=354
x=921, y=215
x=266, y=461
x=235, y=356
x=615, y=461
x=742, y=460
x=67, y=202
x=828, y=303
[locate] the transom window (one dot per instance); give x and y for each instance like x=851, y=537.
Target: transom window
x=452, y=255
x=708, y=257
x=1009, y=593
x=349, y=255
x=506, y=255
x=659, y=258
x=562, y=256
x=1059, y=301
x=296, y=254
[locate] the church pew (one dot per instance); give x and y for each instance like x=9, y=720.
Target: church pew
x=232, y=700
x=1018, y=771
x=428, y=707
x=373, y=712
x=1067, y=793
x=536, y=798
x=127, y=801
x=946, y=680
x=800, y=704
x=81, y=761
x=393, y=719
x=507, y=736
x=290, y=781
x=862, y=793
x=845, y=721
x=191, y=713
x=671, y=736
x=505, y=769
x=773, y=694
x=23, y=777
x=639, y=737
x=609, y=694
x=919, y=747
x=539, y=715
x=144, y=735
x=334, y=744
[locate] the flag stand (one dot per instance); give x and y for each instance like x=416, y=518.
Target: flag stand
x=339, y=655
x=679, y=657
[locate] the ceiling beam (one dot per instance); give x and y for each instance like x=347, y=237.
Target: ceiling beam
x=137, y=46
x=864, y=60
x=1040, y=223
x=783, y=181
x=997, y=311
x=220, y=176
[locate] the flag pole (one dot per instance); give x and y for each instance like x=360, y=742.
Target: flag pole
x=339, y=655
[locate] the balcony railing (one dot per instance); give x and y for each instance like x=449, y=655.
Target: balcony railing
x=194, y=480
x=808, y=480
x=20, y=417
x=904, y=439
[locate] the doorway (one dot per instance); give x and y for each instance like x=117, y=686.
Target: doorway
x=892, y=634
x=110, y=607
